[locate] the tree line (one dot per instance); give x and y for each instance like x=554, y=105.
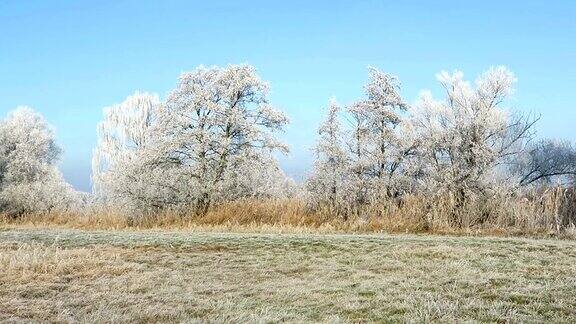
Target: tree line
x=214, y=139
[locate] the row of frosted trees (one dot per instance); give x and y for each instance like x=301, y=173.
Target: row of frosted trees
x=465, y=153
x=213, y=140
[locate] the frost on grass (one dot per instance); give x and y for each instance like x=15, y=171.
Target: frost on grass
x=100, y=276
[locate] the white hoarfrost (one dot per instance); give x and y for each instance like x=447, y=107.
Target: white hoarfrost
x=211, y=140
x=330, y=180
x=461, y=146
x=29, y=178
x=123, y=137
x=378, y=148
x=365, y=162
x=469, y=138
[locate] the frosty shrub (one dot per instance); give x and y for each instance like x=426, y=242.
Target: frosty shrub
x=29, y=178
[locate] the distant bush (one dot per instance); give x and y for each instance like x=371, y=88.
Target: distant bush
x=29, y=178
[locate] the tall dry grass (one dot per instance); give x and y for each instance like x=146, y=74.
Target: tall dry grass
x=550, y=211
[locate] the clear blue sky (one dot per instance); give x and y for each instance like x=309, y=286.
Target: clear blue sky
x=69, y=59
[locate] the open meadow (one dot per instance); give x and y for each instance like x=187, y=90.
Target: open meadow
x=70, y=275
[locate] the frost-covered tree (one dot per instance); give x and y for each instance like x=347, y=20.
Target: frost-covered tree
x=206, y=143
x=29, y=178
x=378, y=149
x=124, y=136
x=461, y=147
x=216, y=121
x=330, y=178
x=368, y=162
x=547, y=161
x=469, y=138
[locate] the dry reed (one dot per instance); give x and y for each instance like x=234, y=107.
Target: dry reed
x=549, y=212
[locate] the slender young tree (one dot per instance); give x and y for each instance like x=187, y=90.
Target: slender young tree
x=124, y=136
x=375, y=142
x=328, y=183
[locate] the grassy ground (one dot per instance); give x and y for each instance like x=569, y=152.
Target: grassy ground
x=107, y=276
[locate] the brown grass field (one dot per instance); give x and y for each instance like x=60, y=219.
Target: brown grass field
x=72, y=275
